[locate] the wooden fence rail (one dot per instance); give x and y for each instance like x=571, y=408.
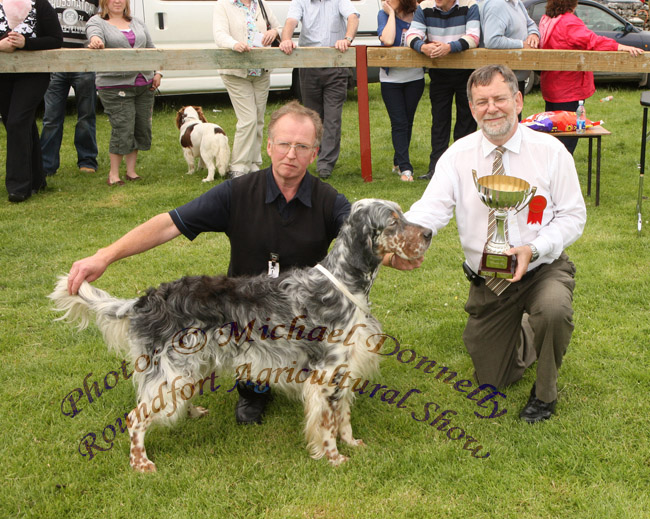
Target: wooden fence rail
x=87, y=60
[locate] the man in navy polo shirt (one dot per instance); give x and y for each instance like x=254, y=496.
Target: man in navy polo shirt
x=276, y=218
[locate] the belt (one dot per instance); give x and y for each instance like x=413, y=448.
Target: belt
x=473, y=277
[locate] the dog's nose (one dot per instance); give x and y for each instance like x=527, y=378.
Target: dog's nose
x=426, y=234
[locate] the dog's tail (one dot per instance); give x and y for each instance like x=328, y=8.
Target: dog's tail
x=111, y=314
x=222, y=153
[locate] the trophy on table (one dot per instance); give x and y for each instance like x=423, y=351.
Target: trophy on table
x=501, y=193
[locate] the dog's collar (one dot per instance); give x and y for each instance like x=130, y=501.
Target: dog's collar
x=360, y=304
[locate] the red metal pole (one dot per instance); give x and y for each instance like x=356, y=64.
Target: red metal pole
x=364, y=113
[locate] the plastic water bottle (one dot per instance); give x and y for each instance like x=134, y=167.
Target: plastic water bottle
x=581, y=118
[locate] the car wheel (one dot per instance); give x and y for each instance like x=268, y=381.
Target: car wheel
x=529, y=82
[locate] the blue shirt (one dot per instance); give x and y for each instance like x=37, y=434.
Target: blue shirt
x=324, y=22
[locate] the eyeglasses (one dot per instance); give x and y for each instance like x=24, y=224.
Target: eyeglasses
x=302, y=150
x=500, y=101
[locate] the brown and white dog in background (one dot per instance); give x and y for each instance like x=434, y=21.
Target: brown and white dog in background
x=204, y=140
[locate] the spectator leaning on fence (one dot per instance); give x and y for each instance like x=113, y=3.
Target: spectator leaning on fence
x=20, y=95
x=127, y=97
x=401, y=88
x=505, y=24
x=73, y=23
x=326, y=23
x=441, y=27
x=240, y=25
x=562, y=29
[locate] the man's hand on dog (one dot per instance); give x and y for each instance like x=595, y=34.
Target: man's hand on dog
x=87, y=269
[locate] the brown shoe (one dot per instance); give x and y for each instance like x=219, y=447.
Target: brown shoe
x=84, y=169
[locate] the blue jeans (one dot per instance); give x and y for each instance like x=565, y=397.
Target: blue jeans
x=401, y=100
x=56, y=97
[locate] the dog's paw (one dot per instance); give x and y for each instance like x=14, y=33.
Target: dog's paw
x=145, y=467
x=197, y=411
x=355, y=442
x=338, y=459
x=208, y=179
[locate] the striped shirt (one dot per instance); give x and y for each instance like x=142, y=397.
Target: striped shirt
x=459, y=27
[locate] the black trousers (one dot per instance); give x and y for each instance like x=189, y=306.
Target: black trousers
x=570, y=143
x=20, y=95
x=445, y=83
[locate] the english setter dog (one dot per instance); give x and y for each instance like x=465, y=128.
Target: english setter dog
x=308, y=322
x=204, y=140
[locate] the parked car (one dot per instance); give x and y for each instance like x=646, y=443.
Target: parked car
x=187, y=24
x=604, y=22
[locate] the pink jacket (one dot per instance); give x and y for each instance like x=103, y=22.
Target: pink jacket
x=569, y=32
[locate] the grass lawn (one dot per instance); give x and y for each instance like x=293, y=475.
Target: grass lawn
x=592, y=460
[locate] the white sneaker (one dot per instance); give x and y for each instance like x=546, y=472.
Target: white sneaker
x=406, y=176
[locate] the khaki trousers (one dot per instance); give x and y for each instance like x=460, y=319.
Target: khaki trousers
x=532, y=319
x=248, y=97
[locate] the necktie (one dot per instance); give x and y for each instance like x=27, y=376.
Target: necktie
x=497, y=285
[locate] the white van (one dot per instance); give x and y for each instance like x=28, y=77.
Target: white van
x=187, y=24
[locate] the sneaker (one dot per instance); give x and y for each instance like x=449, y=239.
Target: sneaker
x=324, y=175
x=235, y=174
x=406, y=176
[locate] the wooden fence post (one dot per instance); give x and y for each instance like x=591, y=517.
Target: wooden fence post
x=364, y=113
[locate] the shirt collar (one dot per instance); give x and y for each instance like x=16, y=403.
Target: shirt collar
x=513, y=144
x=454, y=5
x=303, y=194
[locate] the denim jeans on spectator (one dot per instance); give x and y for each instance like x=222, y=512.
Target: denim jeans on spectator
x=56, y=97
x=401, y=100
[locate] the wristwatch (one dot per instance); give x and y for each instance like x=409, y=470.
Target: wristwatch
x=350, y=40
x=535, y=255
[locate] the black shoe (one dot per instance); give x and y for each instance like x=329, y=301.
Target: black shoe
x=251, y=404
x=535, y=410
x=324, y=175
x=17, y=197
x=428, y=176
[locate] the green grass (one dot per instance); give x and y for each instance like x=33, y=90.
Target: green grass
x=592, y=460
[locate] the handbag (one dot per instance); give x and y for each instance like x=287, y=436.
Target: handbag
x=276, y=42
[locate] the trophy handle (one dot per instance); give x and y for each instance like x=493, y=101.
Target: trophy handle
x=529, y=196
x=475, y=179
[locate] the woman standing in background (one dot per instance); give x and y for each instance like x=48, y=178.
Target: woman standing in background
x=241, y=25
x=20, y=95
x=560, y=28
x=127, y=97
x=401, y=88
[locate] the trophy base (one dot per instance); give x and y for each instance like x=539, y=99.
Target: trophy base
x=498, y=265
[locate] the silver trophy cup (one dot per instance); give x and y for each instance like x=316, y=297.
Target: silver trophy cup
x=501, y=193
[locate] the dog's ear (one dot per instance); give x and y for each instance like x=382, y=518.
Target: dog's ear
x=180, y=115
x=199, y=111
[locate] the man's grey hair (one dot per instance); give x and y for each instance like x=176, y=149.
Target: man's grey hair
x=483, y=76
x=297, y=110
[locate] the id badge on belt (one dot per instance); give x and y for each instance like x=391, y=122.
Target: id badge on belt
x=274, y=265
